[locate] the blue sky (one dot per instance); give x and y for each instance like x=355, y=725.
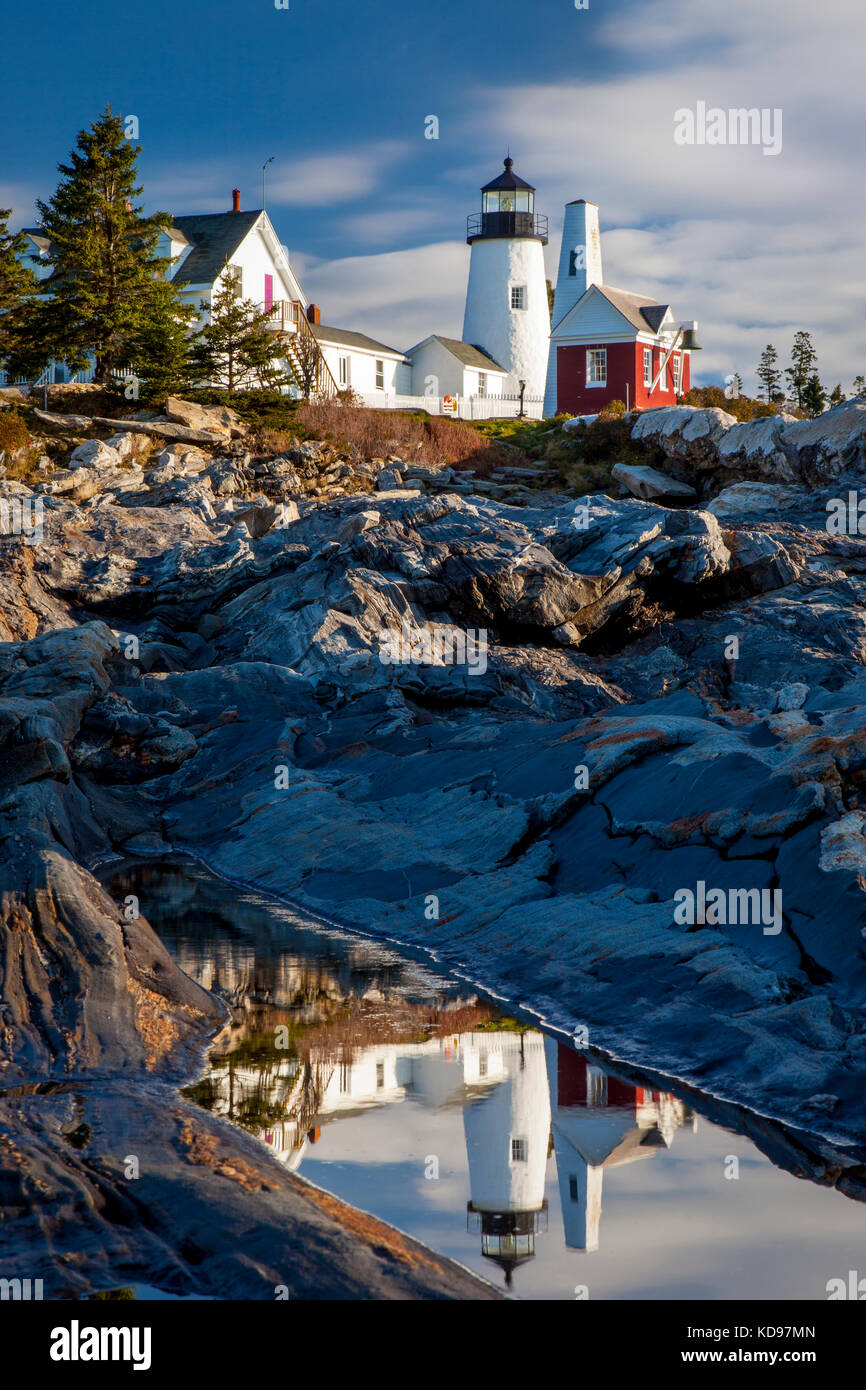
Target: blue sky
x=751, y=246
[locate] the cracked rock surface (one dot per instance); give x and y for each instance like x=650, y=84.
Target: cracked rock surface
x=666, y=697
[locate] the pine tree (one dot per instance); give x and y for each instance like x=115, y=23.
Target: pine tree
x=17, y=285
x=161, y=349
x=768, y=373
x=814, y=397
x=859, y=387
x=236, y=349
x=804, y=360
x=106, y=276
x=837, y=395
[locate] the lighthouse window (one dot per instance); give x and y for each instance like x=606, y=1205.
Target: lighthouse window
x=519, y=1151
x=518, y=296
x=380, y=375
x=647, y=366
x=380, y=1075
x=596, y=367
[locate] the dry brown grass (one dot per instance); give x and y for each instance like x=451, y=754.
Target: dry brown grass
x=412, y=438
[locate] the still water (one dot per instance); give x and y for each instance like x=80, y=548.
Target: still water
x=412, y=1097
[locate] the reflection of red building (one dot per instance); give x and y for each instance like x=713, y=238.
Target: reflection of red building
x=600, y=1121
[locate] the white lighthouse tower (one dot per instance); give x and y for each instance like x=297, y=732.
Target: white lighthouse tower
x=579, y=267
x=507, y=313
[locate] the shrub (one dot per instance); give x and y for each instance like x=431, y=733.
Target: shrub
x=18, y=451
x=741, y=407
x=410, y=435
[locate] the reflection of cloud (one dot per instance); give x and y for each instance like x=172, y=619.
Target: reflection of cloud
x=673, y=1227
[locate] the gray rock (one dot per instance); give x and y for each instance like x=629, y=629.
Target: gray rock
x=95, y=456
x=643, y=481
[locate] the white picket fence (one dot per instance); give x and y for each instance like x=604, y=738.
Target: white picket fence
x=56, y=374
x=468, y=407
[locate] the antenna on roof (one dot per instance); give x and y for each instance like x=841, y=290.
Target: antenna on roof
x=264, y=167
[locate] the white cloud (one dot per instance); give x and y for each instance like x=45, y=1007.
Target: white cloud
x=398, y=297
x=752, y=246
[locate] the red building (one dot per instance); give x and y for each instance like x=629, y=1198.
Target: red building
x=608, y=344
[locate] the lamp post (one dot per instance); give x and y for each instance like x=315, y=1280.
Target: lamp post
x=522, y=385
x=264, y=167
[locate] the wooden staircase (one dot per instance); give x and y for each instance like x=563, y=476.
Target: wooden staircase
x=300, y=346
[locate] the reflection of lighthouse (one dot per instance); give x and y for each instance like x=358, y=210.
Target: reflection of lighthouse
x=600, y=1121
x=507, y=1137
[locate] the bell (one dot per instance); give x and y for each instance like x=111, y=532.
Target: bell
x=690, y=339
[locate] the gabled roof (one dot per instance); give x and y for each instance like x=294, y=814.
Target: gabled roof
x=175, y=234
x=467, y=353
x=214, y=237
x=507, y=180
x=643, y=314
x=344, y=337
x=37, y=235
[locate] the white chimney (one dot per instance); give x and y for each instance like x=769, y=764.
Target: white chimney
x=579, y=258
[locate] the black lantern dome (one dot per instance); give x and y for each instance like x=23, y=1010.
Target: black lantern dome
x=507, y=210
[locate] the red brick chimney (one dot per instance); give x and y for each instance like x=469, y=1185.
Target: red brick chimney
x=236, y=200
x=313, y=314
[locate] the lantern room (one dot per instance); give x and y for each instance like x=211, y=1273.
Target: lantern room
x=507, y=209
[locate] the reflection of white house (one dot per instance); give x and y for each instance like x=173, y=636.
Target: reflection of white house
x=600, y=1122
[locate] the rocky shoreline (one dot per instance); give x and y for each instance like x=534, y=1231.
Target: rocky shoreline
x=192, y=659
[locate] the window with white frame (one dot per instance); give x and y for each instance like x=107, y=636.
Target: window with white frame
x=678, y=372
x=380, y=374
x=596, y=367
x=519, y=1151
x=647, y=366
x=518, y=296
x=344, y=371
x=482, y=383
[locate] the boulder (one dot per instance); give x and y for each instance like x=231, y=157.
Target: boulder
x=94, y=455
x=127, y=444
x=387, y=479
x=757, y=500
x=687, y=432
x=218, y=419
x=648, y=483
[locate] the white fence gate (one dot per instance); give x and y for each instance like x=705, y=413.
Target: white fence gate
x=468, y=407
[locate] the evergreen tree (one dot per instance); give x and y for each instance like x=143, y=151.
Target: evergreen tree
x=859, y=387
x=106, y=276
x=17, y=285
x=236, y=349
x=769, y=374
x=814, y=397
x=837, y=395
x=161, y=349
x=804, y=360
